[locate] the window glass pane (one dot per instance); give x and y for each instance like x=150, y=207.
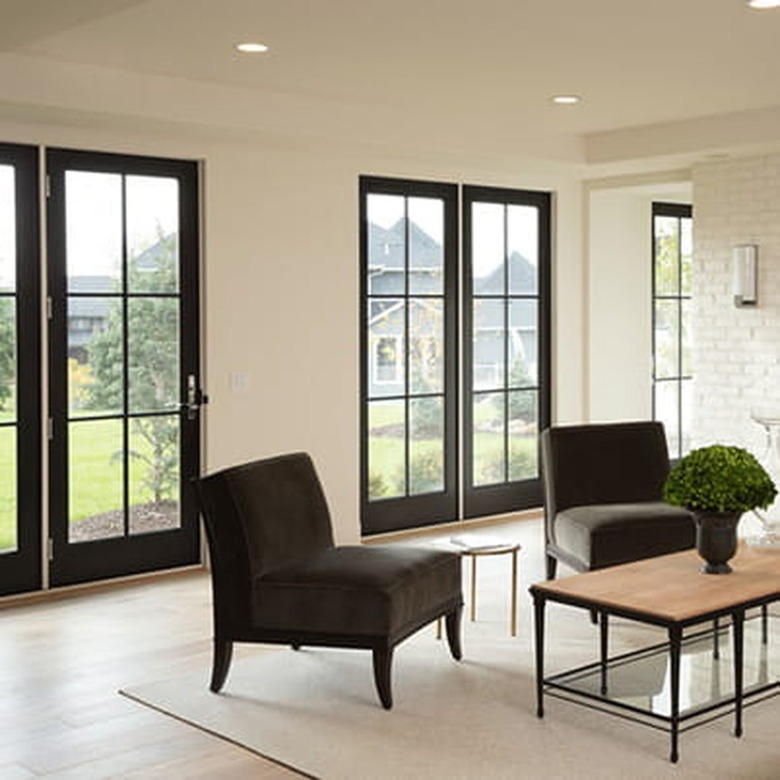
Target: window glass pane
x=153, y=354
x=386, y=358
x=686, y=255
x=523, y=343
x=152, y=234
x=686, y=331
x=7, y=228
x=386, y=266
x=489, y=460
x=426, y=445
x=523, y=416
x=667, y=411
x=667, y=249
x=95, y=492
x=8, y=364
x=686, y=393
x=488, y=344
x=667, y=339
x=426, y=336
x=426, y=246
x=95, y=370
x=523, y=249
x=8, y=497
x=386, y=449
x=488, y=248
x=154, y=474
x=93, y=231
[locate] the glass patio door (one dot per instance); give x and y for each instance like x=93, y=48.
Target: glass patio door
x=123, y=364
x=20, y=397
x=506, y=237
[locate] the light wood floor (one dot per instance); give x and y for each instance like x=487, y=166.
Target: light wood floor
x=63, y=661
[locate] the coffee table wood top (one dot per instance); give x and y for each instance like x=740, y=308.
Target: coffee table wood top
x=672, y=588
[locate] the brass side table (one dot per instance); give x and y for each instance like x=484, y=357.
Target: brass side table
x=474, y=546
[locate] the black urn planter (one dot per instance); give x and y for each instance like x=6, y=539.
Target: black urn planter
x=716, y=539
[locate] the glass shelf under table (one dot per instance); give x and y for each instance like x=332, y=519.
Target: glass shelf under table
x=639, y=685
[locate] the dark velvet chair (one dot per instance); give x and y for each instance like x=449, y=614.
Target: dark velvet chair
x=603, y=496
x=278, y=578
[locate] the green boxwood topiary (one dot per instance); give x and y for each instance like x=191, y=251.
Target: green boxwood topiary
x=719, y=478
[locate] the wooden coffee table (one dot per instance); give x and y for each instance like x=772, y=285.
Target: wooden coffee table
x=668, y=591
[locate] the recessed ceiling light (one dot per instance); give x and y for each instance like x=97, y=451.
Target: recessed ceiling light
x=251, y=47
x=566, y=99
x=764, y=3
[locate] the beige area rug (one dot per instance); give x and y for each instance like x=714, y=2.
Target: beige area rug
x=316, y=711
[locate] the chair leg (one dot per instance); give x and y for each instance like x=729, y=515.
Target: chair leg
x=453, y=632
x=552, y=567
x=383, y=660
x=223, y=653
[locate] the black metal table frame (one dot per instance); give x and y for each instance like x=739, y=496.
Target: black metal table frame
x=675, y=631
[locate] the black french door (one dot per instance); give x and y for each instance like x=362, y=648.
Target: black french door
x=506, y=314
x=124, y=375
x=20, y=396
x=432, y=450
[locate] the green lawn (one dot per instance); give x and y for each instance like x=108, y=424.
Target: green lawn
x=7, y=488
x=386, y=457
x=386, y=452
x=96, y=475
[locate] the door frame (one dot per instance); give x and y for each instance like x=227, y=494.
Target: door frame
x=131, y=554
x=23, y=567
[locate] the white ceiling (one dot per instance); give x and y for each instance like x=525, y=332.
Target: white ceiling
x=657, y=78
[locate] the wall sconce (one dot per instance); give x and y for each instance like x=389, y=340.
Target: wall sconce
x=744, y=259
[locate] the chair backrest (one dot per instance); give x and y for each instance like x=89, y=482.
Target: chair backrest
x=607, y=463
x=259, y=516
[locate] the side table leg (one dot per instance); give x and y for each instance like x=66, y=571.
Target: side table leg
x=539, y=604
x=604, y=642
x=513, y=619
x=473, y=587
x=675, y=643
x=738, y=618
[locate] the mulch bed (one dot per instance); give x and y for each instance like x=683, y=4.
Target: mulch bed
x=144, y=518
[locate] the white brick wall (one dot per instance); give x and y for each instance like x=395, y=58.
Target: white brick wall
x=736, y=359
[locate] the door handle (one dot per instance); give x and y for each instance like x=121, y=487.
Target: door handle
x=195, y=398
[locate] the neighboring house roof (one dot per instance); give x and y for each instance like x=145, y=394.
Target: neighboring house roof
x=386, y=247
x=85, y=291
x=522, y=275
x=387, y=258
x=86, y=305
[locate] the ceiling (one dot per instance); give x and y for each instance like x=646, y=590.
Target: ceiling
x=658, y=78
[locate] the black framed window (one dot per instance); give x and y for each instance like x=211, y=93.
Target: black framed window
x=408, y=237
x=20, y=393
x=672, y=331
x=411, y=424
x=506, y=259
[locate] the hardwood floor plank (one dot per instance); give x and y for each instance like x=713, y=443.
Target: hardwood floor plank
x=63, y=662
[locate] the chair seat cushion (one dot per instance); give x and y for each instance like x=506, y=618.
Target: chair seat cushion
x=358, y=590
x=607, y=534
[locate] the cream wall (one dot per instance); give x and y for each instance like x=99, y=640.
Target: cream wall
x=618, y=320
x=619, y=335
x=280, y=284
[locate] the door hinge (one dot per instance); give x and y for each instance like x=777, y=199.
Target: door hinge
x=50, y=428
x=50, y=550
x=48, y=186
x=49, y=307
